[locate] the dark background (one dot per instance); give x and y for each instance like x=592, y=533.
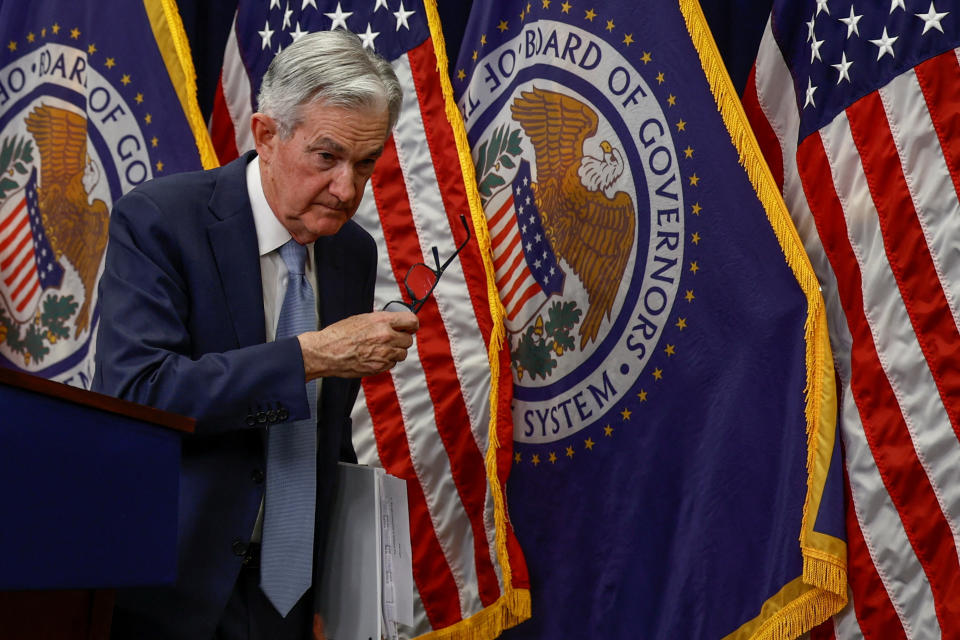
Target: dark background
x=737, y=26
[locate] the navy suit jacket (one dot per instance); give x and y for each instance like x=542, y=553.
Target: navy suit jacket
x=182, y=329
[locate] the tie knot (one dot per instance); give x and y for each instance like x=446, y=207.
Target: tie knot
x=294, y=256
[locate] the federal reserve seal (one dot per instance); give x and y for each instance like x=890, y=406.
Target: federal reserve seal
x=70, y=144
x=580, y=182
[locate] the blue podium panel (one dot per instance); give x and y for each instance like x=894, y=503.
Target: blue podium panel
x=90, y=496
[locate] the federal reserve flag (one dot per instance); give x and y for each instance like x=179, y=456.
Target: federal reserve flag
x=676, y=470
x=95, y=98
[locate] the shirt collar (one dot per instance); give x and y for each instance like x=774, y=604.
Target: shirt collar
x=271, y=234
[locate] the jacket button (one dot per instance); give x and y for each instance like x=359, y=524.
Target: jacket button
x=282, y=414
x=257, y=476
x=239, y=547
x=272, y=416
x=261, y=417
x=250, y=420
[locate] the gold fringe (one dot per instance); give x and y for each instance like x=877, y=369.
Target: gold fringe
x=826, y=572
x=174, y=48
x=513, y=606
x=801, y=615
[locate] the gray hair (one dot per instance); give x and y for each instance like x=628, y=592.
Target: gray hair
x=331, y=67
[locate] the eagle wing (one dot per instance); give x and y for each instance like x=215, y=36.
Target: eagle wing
x=61, y=138
x=557, y=125
x=592, y=232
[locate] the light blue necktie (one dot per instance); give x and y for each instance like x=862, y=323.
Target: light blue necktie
x=286, y=564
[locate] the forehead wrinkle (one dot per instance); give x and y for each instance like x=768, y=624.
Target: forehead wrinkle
x=325, y=142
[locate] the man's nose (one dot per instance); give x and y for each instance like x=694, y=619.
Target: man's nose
x=342, y=185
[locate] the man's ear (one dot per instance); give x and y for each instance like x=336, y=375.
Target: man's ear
x=264, y=131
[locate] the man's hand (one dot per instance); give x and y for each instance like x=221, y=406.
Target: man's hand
x=359, y=345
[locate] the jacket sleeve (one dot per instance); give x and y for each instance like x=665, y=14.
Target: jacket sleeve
x=151, y=292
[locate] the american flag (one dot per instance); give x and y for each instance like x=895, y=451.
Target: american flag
x=857, y=106
x=526, y=267
x=27, y=264
x=441, y=419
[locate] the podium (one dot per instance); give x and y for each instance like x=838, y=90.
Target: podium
x=89, y=505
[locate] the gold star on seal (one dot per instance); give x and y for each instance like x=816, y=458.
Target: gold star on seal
x=689, y=295
x=546, y=4
x=672, y=100
x=609, y=25
x=608, y=431
x=110, y=63
x=694, y=180
x=536, y=459
x=75, y=33
x=658, y=374
x=159, y=167
x=552, y=458
x=565, y=7
x=626, y=414
x=694, y=267
x=628, y=39
x=31, y=37
x=646, y=57
x=671, y=350
x=55, y=28
x=590, y=15
x=461, y=74
x=642, y=395
x=695, y=238
x=503, y=26
x=12, y=46
x=516, y=457
x=92, y=49
x=125, y=79
x=660, y=78
x=681, y=323
x=682, y=125
x=139, y=98
x=148, y=118
x=696, y=208
x=588, y=443
x=570, y=452
x=688, y=152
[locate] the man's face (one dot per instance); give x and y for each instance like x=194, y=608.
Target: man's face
x=314, y=179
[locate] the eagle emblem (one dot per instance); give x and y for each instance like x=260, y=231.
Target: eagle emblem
x=75, y=225
x=587, y=221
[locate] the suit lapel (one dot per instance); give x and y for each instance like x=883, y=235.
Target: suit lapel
x=233, y=239
x=332, y=304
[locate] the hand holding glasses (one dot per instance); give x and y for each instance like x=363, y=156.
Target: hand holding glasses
x=421, y=279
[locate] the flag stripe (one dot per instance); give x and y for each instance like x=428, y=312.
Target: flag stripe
x=222, y=132
x=938, y=81
x=433, y=468
x=450, y=411
x=766, y=136
x=435, y=584
x=885, y=429
x=870, y=599
x=906, y=245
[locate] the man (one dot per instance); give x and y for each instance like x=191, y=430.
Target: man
x=195, y=295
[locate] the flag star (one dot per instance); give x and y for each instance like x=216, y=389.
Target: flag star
x=810, y=90
x=380, y=3
x=266, y=35
x=402, y=16
x=274, y=3
x=810, y=24
x=822, y=6
x=309, y=3
x=815, y=50
x=298, y=33
x=851, y=23
x=896, y=3
x=339, y=18
x=885, y=44
x=931, y=19
x=287, y=13
x=368, y=36
x=843, y=68
x=536, y=264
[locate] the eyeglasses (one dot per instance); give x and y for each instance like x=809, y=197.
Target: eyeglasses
x=421, y=279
